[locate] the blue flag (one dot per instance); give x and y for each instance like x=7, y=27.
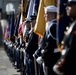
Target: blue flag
x=36, y=6
x=62, y=20
x=30, y=9
x=17, y=25
x=11, y=25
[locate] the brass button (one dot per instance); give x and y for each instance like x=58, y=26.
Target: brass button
x=67, y=28
x=65, y=32
x=59, y=63
x=62, y=42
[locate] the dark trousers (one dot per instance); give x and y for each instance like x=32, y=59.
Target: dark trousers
x=31, y=66
x=17, y=58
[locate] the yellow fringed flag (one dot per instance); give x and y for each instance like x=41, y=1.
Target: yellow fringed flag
x=40, y=22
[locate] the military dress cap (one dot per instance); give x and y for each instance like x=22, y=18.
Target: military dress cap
x=33, y=17
x=70, y=2
x=50, y=8
x=27, y=21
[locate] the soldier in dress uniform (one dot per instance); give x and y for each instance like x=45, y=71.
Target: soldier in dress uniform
x=67, y=63
x=49, y=53
x=32, y=45
x=27, y=27
x=18, y=46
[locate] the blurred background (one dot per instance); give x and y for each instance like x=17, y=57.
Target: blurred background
x=7, y=7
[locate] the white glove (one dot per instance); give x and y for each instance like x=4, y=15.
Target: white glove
x=17, y=48
x=39, y=60
x=56, y=70
x=21, y=50
x=33, y=55
x=42, y=51
x=10, y=45
x=26, y=44
x=7, y=43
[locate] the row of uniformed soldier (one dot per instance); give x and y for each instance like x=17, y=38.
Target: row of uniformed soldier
x=47, y=47
x=48, y=59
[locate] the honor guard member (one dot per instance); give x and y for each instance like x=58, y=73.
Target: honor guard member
x=67, y=63
x=27, y=27
x=17, y=51
x=49, y=53
x=32, y=45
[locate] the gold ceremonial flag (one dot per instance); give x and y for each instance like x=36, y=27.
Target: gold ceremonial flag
x=24, y=4
x=49, y=2
x=40, y=22
x=23, y=9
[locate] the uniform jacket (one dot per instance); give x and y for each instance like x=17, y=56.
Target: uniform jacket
x=32, y=44
x=49, y=44
x=67, y=66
